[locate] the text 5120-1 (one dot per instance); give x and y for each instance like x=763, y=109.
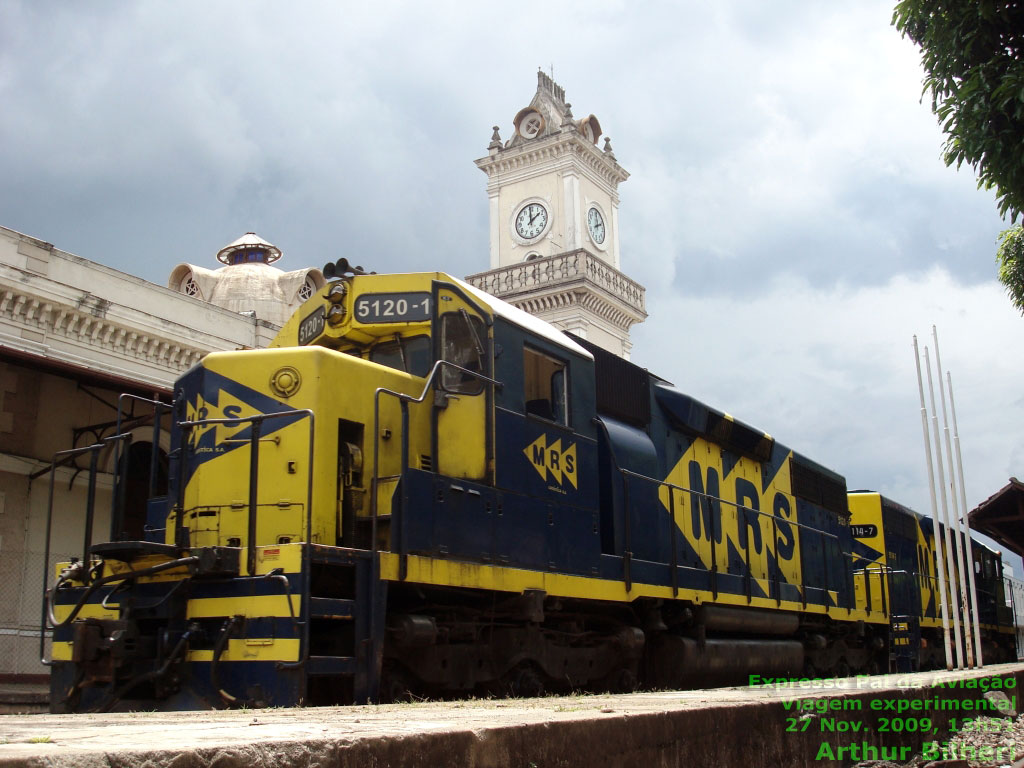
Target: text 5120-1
x=393, y=307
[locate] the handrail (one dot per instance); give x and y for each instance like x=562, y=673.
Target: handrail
x=405, y=399
x=627, y=555
x=748, y=576
x=881, y=571
x=738, y=506
x=254, y=440
x=307, y=555
x=60, y=458
x=117, y=497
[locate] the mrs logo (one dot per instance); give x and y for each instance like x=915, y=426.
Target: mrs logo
x=210, y=395
x=553, y=460
x=223, y=406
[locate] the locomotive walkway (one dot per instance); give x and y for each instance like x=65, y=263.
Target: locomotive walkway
x=829, y=722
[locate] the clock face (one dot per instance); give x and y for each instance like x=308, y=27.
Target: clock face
x=531, y=220
x=595, y=223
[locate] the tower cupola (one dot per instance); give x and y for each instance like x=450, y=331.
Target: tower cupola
x=554, y=222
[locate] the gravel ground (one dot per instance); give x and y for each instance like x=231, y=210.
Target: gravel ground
x=1004, y=738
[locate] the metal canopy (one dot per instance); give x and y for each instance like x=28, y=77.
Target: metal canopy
x=1001, y=516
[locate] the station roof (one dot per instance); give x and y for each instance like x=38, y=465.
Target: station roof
x=1001, y=516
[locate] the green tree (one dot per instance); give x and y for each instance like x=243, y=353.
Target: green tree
x=971, y=51
x=1011, y=264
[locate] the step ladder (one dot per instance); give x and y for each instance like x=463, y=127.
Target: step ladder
x=904, y=641
x=346, y=610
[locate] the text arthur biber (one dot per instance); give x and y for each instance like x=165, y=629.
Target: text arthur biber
x=843, y=721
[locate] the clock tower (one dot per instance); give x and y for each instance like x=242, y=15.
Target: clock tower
x=554, y=223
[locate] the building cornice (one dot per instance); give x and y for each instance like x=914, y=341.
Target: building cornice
x=122, y=325
x=83, y=336
x=570, y=145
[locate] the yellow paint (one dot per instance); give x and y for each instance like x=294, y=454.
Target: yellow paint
x=61, y=651
x=244, y=649
x=89, y=611
x=287, y=557
x=933, y=581
x=350, y=330
x=870, y=581
x=339, y=382
x=111, y=566
x=216, y=499
x=249, y=649
x=461, y=432
x=928, y=579
x=771, y=527
x=553, y=460
x=462, y=424
x=439, y=572
x=250, y=607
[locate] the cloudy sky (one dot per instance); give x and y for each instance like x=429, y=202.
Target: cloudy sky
x=788, y=209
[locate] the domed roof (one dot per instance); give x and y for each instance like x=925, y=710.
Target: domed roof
x=247, y=283
x=249, y=248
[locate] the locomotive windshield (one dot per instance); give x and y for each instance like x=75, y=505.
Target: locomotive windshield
x=461, y=335
x=409, y=354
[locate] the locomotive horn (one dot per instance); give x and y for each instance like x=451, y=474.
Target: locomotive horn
x=341, y=268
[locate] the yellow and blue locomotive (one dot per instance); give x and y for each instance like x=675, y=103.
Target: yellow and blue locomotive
x=421, y=490
x=895, y=560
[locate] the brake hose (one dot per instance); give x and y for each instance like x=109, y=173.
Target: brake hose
x=122, y=576
x=218, y=649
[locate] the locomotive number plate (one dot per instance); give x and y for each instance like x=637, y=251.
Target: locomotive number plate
x=864, y=531
x=312, y=326
x=393, y=307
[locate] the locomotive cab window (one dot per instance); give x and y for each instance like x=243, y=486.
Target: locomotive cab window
x=545, y=386
x=411, y=355
x=463, y=339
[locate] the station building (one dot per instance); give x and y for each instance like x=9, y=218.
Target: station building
x=74, y=335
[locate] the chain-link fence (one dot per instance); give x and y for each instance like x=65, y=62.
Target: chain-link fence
x=21, y=601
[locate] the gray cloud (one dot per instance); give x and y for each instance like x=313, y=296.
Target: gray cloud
x=787, y=208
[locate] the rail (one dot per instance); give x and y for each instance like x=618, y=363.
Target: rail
x=881, y=572
x=253, y=506
x=117, y=498
x=254, y=446
x=714, y=535
x=60, y=458
x=874, y=571
x=182, y=539
x=926, y=585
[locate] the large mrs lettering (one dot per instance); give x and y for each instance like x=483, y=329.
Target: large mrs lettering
x=747, y=497
x=704, y=502
x=785, y=542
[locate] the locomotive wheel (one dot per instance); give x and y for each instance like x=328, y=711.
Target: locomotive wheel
x=395, y=685
x=621, y=680
x=525, y=681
